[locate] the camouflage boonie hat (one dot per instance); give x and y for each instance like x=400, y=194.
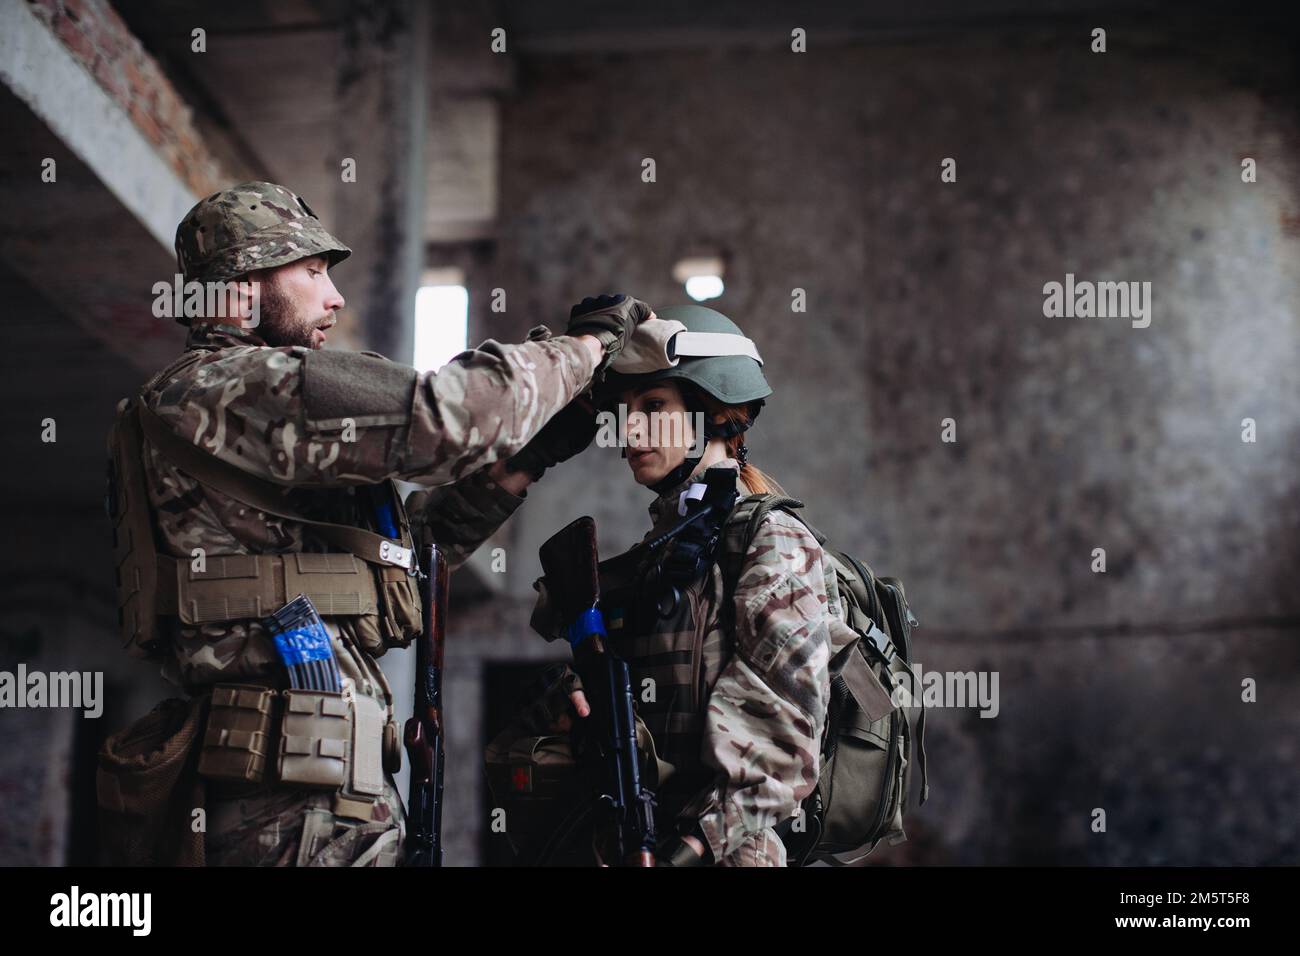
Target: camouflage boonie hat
x=250, y=226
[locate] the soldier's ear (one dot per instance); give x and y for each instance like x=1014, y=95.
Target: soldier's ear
x=249, y=290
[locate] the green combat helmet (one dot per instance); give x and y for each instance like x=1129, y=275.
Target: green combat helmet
x=246, y=227
x=713, y=355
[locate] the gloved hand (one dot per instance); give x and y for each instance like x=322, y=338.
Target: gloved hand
x=547, y=706
x=612, y=319
x=677, y=852
x=569, y=432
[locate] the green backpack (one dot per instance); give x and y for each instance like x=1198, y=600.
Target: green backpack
x=866, y=754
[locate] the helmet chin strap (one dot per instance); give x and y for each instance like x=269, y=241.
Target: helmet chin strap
x=676, y=476
x=712, y=430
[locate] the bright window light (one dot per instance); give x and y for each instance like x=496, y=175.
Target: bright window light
x=441, y=325
x=700, y=288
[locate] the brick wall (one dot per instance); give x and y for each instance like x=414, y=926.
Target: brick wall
x=98, y=38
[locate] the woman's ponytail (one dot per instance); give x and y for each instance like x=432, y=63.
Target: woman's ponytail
x=758, y=482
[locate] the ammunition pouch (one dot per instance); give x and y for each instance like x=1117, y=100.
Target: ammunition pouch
x=315, y=736
x=148, y=787
x=383, y=601
x=238, y=735
x=240, y=586
x=321, y=741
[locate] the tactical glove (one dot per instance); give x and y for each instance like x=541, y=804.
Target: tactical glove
x=612, y=319
x=680, y=853
x=547, y=698
x=568, y=432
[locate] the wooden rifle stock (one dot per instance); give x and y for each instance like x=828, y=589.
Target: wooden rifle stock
x=424, y=737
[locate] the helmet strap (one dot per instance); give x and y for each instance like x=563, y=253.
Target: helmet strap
x=723, y=430
x=676, y=476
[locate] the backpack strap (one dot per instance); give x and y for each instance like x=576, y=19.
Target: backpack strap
x=209, y=470
x=738, y=532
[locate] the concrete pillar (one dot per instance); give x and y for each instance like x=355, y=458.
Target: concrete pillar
x=380, y=87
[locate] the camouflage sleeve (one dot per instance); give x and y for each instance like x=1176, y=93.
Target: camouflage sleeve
x=459, y=517
x=320, y=419
x=765, y=714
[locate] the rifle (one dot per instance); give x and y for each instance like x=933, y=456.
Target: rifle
x=423, y=733
x=570, y=564
x=694, y=540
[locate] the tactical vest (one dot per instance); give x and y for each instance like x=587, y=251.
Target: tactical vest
x=675, y=651
x=368, y=577
x=252, y=733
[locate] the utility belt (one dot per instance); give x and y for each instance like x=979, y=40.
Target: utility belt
x=319, y=740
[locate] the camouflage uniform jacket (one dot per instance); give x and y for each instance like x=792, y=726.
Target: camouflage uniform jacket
x=739, y=709
x=243, y=402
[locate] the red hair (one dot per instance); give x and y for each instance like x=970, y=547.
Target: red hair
x=757, y=481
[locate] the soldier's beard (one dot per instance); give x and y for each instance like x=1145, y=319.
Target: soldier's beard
x=281, y=322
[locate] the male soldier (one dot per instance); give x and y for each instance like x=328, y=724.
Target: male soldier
x=268, y=464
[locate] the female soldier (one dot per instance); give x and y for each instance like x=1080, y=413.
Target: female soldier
x=733, y=692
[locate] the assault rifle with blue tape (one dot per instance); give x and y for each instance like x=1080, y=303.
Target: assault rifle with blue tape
x=625, y=806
